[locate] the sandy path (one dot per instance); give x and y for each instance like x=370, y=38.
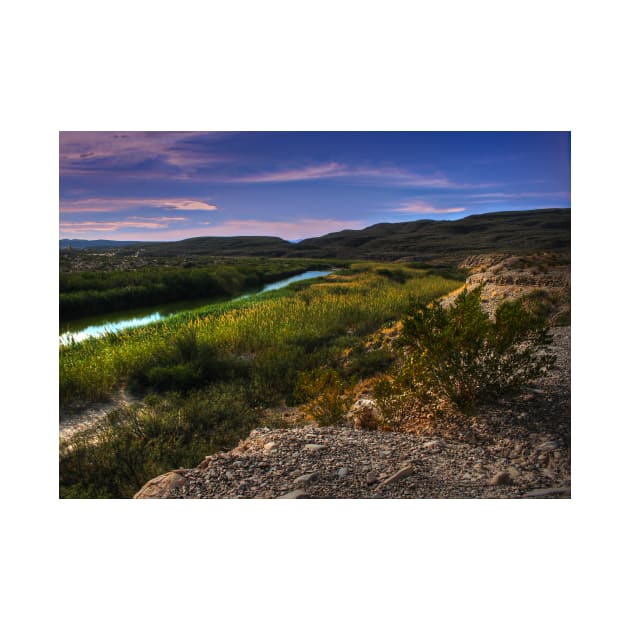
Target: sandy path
x=71, y=421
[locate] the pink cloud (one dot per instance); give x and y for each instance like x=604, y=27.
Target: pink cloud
x=148, y=223
x=383, y=176
x=81, y=227
x=323, y=171
x=91, y=151
x=422, y=207
x=97, y=204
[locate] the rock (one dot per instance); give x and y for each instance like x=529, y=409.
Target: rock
x=306, y=478
x=269, y=446
x=550, y=445
x=295, y=494
x=159, y=487
x=514, y=472
x=313, y=448
x=205, y=463
x=342, y=472
x=432, y=444
x=542, y=492
x=401, y=474
x=501, y=479
x=371, y=478
x=364, y=414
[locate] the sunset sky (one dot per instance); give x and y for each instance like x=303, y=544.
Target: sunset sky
x=174, y=185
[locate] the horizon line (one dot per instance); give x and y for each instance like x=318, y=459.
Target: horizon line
x=112, y=240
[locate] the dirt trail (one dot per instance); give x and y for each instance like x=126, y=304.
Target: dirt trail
x=73, y=420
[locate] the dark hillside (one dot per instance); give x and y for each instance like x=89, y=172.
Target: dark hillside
x=498, y=232
x=268, y=246
x=422, y=240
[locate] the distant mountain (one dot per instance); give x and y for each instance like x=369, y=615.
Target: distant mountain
x=515, y=232
x=77, y=243
x=518, y=231
x=270, y=246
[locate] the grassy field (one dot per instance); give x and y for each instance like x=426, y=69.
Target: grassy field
x=207, y=373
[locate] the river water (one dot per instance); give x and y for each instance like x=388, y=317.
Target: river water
x=85, y=328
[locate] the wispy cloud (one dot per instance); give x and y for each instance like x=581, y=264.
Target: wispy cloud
x=418, y=206
x=83, y=227
x=99, y=204
x=198, y=156
x=131, y=153
x=322, y=171
x=385, y=176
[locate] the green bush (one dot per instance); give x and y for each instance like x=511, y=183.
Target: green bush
x=461, y=355
x=364, y=362
x=186, y=362
x=327, y=402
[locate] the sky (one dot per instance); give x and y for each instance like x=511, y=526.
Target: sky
x=165, y=186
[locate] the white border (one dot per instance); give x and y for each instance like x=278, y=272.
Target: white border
x=288, y=66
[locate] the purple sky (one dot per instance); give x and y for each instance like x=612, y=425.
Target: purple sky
x=175, y=185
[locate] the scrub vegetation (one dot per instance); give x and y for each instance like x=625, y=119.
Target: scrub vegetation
x=461, y=357
x=207, y=374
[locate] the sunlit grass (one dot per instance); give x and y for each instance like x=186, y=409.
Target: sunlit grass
x=283, y=324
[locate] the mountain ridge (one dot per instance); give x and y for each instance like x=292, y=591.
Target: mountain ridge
x=514, y=231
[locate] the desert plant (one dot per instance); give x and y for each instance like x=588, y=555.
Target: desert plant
x=461, y=355
x=324, y=393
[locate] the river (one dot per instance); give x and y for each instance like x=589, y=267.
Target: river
x=84, y=328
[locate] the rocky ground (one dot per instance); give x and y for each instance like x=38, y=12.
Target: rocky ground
x=518, y=448
x=543, y=276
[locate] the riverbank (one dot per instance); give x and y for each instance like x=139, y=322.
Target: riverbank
x=88, y=328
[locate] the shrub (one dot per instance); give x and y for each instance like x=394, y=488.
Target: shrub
x=364, y=362
x=461, y=355
x=327, y=402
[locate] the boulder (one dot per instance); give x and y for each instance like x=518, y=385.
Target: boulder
x=501, y=479
x=401, y=474
x=295, y=494
x=364, y=414
x=160, y=487
x=313, y=448
x=306, y=478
